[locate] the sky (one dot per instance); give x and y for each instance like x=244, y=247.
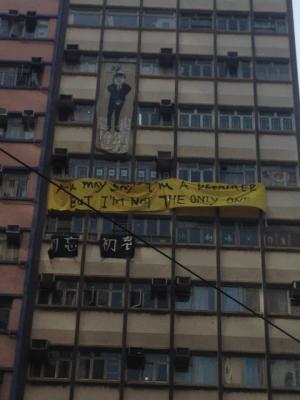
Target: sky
x=296, y=5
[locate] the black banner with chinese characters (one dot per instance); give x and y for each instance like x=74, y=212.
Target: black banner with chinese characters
x=65, y=246
x=117, y=246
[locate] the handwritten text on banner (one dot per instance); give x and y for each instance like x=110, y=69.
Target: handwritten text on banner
x=161, y=195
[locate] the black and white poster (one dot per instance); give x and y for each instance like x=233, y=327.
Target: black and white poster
x=63, y=246
x=115, y=107
x=117, y=246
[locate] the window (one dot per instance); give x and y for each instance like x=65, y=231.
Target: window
x=243, y=70
x=196, y=68
x=14, y=128
x=244, y=372
x=202, y=371
x=195, y=21
x=279, y=175
x=239, y=234
x=41, y=30
x=9, y=251
x=238, y=174
x=151, y=116
x=270, y=24
x=202, y=298
x=233, y=23
x=277, y=301
x=85, y=17
x=112, y=170
x=146, y=171
x=17, y=28
x=20, y=75
x=195, y=118
x=5, y=306
x=81, y=112
x=56, y=366
x=195, y=171
x=247, y=296
x=159, y=20
x=273, y=70
x=235, y=120
x=64, y=294
x=151, y=66
x=103, y=294
x=276, y=121
x=98, y=225
x=121, y=18
x=63, y=224
x=285, y=374
x=14, y=184
x=77, y=168
x=155, y=369
x=282, y=236
x=154, y=230
x=141, y=296
x=86, y=64
x=195, y=233
x=98, y=365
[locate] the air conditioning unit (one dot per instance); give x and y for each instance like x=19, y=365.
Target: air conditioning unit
x=60, y=159
x=135, y=358
x=166, y=107
x=13, y=234
x=159, y=287
x=164, y=160
x=295, y=294
x=166, y=57
x=28, y=119
x=232, y=60
x=182, y=359
x=13, y=13
x=39, y=349
x=36, y=63
x=30, y=21
x=47, y=282
x=72, y=53
x=65, y=102
x=183, y=287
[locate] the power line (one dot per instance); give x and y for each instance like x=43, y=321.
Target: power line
x=170, y=258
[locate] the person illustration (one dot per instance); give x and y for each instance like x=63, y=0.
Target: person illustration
x=118, y=90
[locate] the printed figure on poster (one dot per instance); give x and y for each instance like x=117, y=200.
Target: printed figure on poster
x=115, y=108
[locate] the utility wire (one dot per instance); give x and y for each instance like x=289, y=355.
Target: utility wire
x=170, y=258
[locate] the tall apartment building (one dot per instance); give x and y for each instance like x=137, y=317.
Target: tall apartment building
x=27, y=48
x=202, y=90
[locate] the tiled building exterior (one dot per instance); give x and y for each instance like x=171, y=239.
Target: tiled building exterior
x=28, y=30
x=214, y=97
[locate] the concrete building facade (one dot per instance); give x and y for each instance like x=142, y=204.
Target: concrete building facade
x=202, y=90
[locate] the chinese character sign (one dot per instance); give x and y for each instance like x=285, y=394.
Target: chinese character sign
x=117, y=246
x=63, y=246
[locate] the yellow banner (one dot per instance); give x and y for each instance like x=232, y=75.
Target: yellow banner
x=107, y=196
